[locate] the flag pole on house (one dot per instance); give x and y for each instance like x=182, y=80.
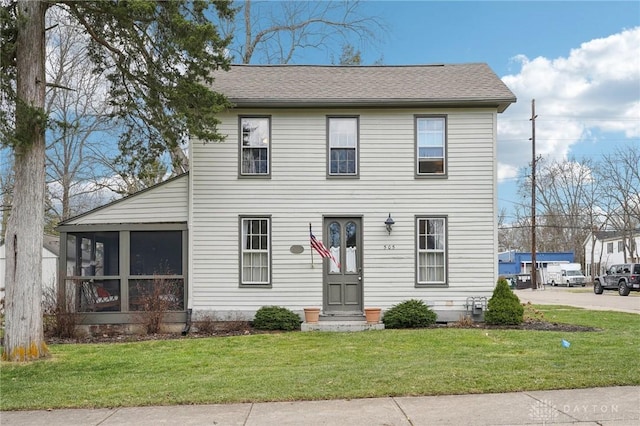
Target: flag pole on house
x=310, y=246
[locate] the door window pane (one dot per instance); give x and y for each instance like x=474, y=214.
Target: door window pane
x=351, y=231
x=335, y=244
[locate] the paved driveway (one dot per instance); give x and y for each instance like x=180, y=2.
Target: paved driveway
x=582, y=297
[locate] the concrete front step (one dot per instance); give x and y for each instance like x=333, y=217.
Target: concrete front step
x=341, y=326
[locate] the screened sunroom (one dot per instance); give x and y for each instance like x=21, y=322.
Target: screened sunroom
x=110, y=272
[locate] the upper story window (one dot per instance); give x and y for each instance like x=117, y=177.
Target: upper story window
x=620, y=246
x=255, y=140
x=255, y=251
x=342, y=146
x=431, y=145
x=431, y=251
x=609, y=247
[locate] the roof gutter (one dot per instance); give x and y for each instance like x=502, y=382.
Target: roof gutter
x=500, y=104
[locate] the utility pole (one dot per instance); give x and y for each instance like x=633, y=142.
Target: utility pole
x=534, y=269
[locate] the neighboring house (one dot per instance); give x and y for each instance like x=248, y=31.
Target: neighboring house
x=514, y=262
x=50, y=252
x=339, y=151
x=609, y=248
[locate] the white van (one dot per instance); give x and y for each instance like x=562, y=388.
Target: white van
x=569, y=274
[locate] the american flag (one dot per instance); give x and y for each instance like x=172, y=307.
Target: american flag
x=321, y=249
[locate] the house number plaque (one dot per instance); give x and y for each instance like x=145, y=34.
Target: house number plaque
x=296, y=249
x=389, y=247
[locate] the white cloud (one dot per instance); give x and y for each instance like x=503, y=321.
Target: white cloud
x=506, y=171
x=595, y=89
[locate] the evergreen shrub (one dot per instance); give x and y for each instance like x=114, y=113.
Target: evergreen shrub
x=411, y=313
x=504, y=307
x=276, y=318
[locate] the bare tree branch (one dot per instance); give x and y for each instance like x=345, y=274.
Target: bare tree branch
x=275, y=31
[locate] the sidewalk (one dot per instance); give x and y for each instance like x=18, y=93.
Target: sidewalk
x=614, y=406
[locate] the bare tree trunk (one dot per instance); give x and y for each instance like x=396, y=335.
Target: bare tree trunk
x=6, y=187
x=592, y=259
x=180, y=160
x=248, y=39
x=24, y=339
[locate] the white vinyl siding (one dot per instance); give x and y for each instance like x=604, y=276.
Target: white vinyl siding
x=49, y=271
x=299, y=193
x=167, y=202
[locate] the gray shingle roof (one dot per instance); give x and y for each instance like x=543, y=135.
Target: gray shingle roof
x=318, y=85
x=615, y=235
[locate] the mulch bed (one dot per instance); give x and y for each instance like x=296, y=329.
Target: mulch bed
x=246, y=329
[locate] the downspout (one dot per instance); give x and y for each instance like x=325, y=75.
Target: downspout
x=187, y=325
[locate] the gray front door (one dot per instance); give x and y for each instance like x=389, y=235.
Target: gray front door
x=343, y=277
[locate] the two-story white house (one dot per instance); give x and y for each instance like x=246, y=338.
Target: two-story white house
x=605, y=248
x=393, y=168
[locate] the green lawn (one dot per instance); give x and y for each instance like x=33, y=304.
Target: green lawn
x=295, y=366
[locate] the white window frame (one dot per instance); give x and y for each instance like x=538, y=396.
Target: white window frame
x=422, y=134
x=422, y=248
x=264, y=231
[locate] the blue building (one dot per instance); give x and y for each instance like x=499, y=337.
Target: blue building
x=514, y=262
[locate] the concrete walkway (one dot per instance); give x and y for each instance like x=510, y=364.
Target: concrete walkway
x=614, y=406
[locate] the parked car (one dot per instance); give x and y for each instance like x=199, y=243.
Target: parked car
x=624, y=278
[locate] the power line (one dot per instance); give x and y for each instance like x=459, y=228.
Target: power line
x=555, y=227
x=569, y=118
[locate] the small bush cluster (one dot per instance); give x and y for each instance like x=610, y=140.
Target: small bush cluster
x=276, y=318
x=504, y=307
x=206, y=325
x=215, y=324
x=155, y=300
x=464, y=321
x=411, y=313
x=531, y=314
x=59, y=319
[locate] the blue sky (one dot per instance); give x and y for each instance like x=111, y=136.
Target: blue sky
x=580, y=61
x=494, y=31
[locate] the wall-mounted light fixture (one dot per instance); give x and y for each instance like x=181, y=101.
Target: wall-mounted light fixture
x=389, y=224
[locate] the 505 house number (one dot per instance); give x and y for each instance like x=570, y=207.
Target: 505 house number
x=389, y=247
